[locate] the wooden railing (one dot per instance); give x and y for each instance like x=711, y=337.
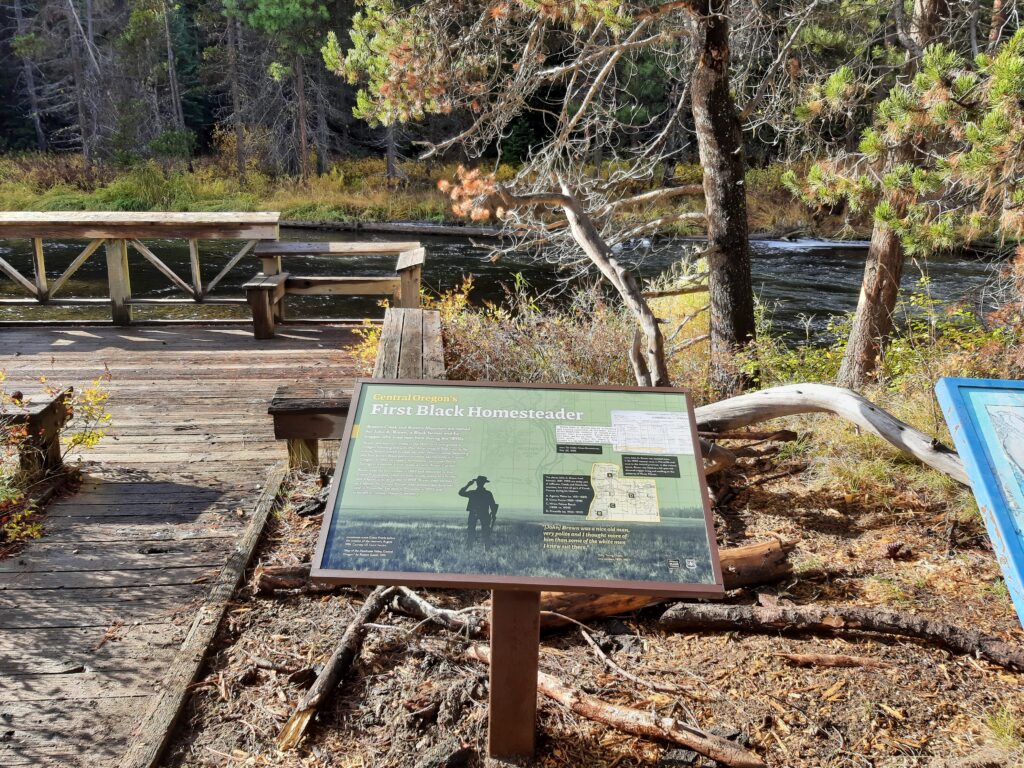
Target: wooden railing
x=118, y=233
x=267, y=291
x=121, y=233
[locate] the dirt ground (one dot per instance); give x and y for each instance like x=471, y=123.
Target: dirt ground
x=415, y=700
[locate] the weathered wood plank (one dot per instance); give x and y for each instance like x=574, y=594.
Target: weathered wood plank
x=50, y=558
x=154, y=731
x=388, y=349
x=343, y=286
x=116, y=224
x=328, y=248
x=410, y=357
x=433, y=348
x=137, y=549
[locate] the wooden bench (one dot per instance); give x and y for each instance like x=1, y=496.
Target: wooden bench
x=410, y=347
x=43, y=417
x=264, y=294
x=267, y=298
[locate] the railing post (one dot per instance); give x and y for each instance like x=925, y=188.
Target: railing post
x=39, y=265
x=197, y=274
x=271, y=265
x=410, y=270
x=119, y=281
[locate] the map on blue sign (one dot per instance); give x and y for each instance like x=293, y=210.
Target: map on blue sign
x=986, y=419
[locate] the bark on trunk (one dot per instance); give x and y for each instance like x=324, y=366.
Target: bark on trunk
x=391, y=152
x=651, y=368
x=323, y=130
x=236, y=97
x=177, y=111
x=686, y=617
x=300, y=95
x=720, y=145
x=995, y=31
x=28, y=72
x=925, y=22
x=872, y=323
x=78, y=77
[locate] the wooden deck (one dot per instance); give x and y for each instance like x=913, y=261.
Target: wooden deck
x=92, y=615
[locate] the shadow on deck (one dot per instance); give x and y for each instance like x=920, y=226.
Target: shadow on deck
x=92, y=614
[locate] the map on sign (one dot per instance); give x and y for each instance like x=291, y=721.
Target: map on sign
x=476, y=484
x=626, y=499
x=986, y=419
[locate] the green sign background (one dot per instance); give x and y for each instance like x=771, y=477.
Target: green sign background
x=413, y=447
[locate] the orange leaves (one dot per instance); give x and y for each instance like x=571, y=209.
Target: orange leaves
x=471, y=194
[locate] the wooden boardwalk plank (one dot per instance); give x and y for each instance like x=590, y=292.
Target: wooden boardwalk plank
x=127, y=582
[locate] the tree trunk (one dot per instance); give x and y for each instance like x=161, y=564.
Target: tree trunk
x=720, y=145
x=300, y=95
x=872, y=323
x=236, y=97
x=995, y=31
x=323, y=130
x=391, y=152
x=177, y=112
x=649, y=363
x=30, y=82
x=750, y=565
x=78, y=77
x=925, y=21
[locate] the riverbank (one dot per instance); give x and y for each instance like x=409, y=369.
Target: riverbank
x=353, y=193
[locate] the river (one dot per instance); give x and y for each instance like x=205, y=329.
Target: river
x=803, y=283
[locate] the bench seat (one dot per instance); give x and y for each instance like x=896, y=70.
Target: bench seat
x=410, y=347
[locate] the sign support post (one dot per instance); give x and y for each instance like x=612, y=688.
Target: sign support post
x=515, y=649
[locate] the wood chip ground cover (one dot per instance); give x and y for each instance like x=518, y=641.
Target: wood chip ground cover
x=414, y=700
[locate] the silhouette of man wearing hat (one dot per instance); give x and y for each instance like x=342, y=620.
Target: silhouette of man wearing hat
x=482, y=509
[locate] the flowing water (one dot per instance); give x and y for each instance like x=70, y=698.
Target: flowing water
x=803, y=283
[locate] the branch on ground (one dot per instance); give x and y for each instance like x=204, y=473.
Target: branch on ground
x=793, y=399
x=842, y=619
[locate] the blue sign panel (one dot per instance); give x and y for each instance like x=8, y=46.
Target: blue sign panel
x=986, y=419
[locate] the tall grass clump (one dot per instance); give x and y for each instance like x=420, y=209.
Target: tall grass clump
x=582, y=341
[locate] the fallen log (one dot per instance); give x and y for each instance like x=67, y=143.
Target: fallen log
x=335, y=669
x=637, y=722
x=775, y=402
x=761, y=563
x=272, y=578
x=749, y=565
x=841, y=619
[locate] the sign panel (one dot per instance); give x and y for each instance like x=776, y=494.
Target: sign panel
x=986, y=419
x=504, y=486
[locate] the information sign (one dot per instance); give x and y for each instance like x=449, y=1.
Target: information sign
x=520, y=487
x=986, y=419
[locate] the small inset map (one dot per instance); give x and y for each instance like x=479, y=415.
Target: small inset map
x=622, y=499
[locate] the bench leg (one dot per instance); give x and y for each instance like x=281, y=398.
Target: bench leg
x=303, y=454
x=41, y=452
x=262, y=313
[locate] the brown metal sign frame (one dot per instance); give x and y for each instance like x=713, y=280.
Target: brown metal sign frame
x=527, y=583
